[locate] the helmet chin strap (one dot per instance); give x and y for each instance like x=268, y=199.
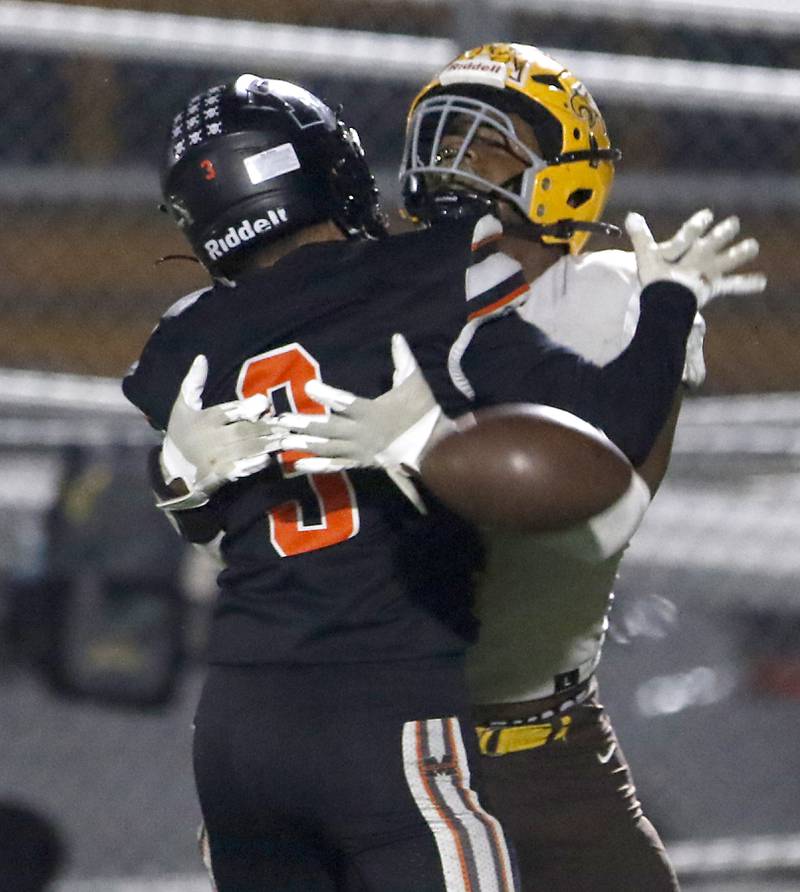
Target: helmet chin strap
x=458, y=204
x=561, y=229
x=565, y=228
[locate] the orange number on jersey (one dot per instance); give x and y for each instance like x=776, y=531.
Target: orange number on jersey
x=291, y=367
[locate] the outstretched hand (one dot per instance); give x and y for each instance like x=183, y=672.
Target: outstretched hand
x=701, y=260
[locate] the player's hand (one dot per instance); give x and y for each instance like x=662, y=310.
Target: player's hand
x=206, y=448
x=690, y=230
x=700, y=260
x=391, y=431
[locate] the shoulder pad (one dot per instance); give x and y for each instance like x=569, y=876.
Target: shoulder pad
x=494, y=280
x=612, y=265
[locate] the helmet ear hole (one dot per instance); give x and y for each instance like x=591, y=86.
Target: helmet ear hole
x=579, y=197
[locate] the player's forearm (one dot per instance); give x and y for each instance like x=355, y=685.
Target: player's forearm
x=654, y=467
x=629, y=399
x=635, y=393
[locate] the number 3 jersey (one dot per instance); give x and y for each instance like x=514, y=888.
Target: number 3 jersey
x=340, y=567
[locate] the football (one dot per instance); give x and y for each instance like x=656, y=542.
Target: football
x=527, y=468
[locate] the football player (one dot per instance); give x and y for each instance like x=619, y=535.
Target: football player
x=339, y=634
x=328, y=750
x=506, y=130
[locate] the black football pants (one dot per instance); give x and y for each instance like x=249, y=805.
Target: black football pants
x=344, y=778
x=571, y=810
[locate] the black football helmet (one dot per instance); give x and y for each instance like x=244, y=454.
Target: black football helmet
x=252, y=161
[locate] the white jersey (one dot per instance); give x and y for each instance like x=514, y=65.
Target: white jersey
x=590, y=303
x=543, y=614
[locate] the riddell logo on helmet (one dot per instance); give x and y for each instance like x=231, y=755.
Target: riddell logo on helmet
x=478, y=71
x=216, y=248
x=477, y=65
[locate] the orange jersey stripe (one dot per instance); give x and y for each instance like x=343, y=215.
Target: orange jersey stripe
x=485, y=311
x=494, y=237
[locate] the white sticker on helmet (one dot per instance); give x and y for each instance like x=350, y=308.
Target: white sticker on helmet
x=480, y=70
x=271, y=163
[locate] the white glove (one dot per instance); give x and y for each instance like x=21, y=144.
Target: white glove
x=674, y=248
x=701, y=262
x=391, y=431
x=694, y=366
x=206, y=448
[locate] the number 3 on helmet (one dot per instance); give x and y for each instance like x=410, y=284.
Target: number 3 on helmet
x=251, y=161
x=562, y=193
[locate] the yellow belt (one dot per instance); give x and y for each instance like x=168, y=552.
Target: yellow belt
x=493, y=741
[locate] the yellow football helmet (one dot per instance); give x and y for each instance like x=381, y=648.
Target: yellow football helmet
x=563, y=192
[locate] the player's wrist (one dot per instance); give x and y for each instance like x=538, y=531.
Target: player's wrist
x=174, y=466
x=186, y=502
x=669, y=294
x=408, y=450
x=175, y=481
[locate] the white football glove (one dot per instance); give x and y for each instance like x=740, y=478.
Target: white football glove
x=694, y=366
x=671, y=250
x=690, y=230
x=700, y=262
x=206, y=448
x=391, y=431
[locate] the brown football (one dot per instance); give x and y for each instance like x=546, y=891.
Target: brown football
x=527, y=468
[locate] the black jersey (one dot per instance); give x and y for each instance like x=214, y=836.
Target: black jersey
x=338, y=567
